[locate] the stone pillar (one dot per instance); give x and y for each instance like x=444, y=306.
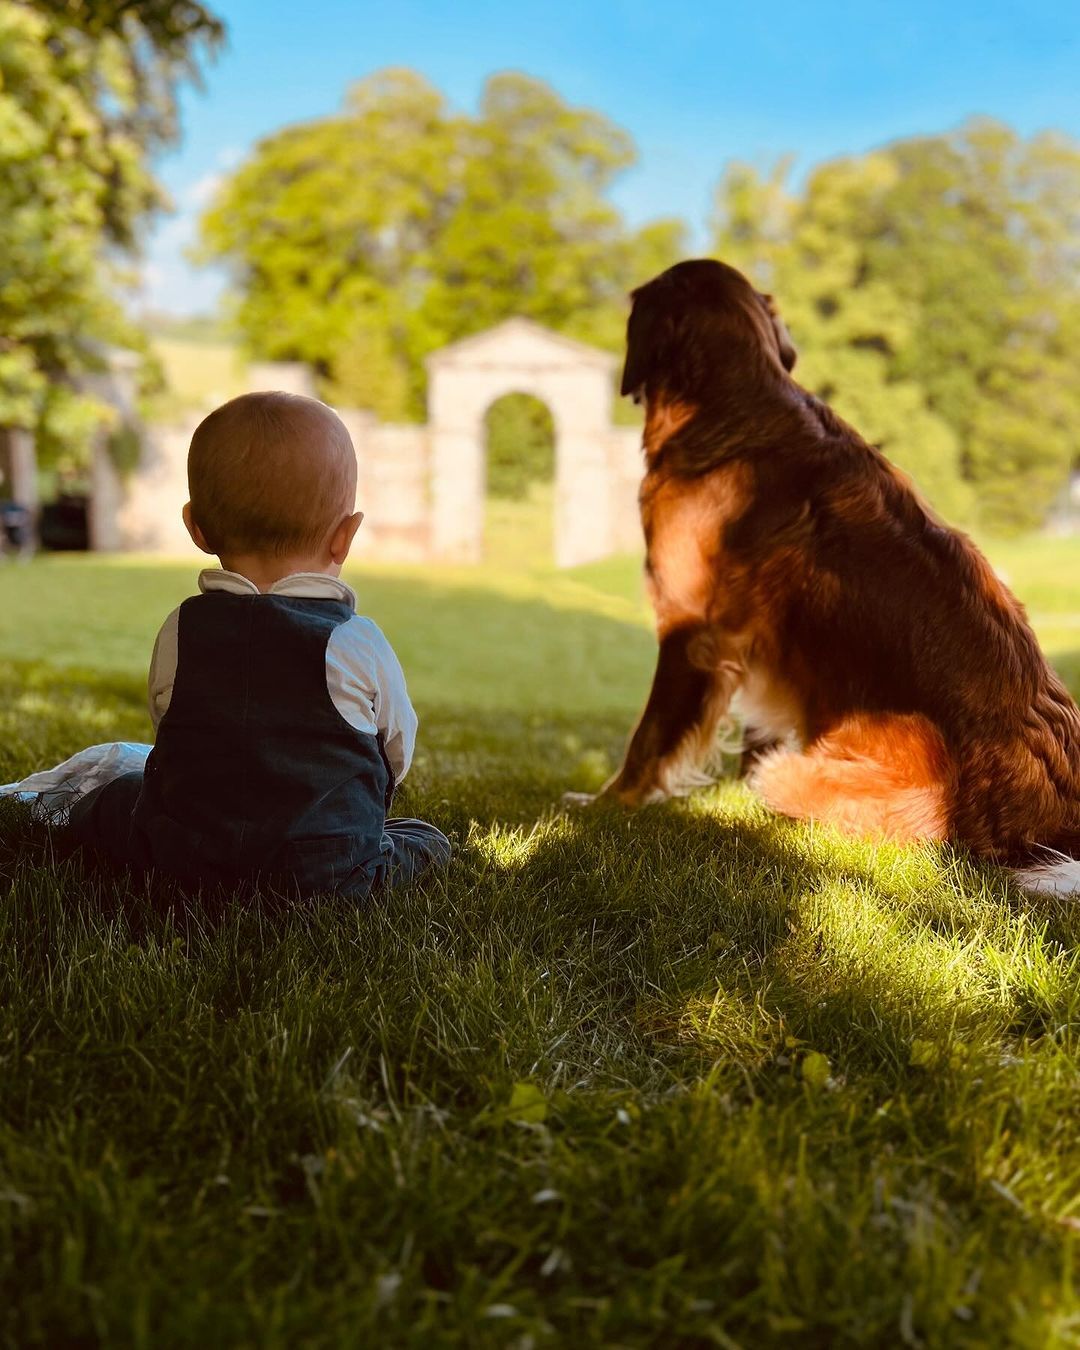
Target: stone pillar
x=106, y=500
x=580, y=400
x=583, y=500
x=116, y=385
x=18, y=477
x=457, y=469
x=18, y=467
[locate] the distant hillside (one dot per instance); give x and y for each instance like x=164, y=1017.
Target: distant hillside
x=199, y=372
x=188, y=327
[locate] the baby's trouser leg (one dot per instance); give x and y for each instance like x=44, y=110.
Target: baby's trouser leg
x=101, y=823
x=417, y=847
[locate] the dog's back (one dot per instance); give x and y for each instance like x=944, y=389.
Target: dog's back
x=887, y=609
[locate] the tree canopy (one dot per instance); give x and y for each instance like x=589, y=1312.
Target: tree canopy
x=933, y=292
x=364, y=241
x=520, y=446
x=87, y=92
x=932, y=286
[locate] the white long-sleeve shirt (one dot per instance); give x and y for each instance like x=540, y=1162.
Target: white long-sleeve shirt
x=363, y=675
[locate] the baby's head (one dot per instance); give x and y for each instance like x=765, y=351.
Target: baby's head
x=272, y=481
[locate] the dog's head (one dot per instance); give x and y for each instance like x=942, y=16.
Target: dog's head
x=694, y=320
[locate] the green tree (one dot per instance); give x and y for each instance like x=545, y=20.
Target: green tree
x=86, y=93
x=931, y=288
x=364, y=241
x=844, y=327
x=520, y=446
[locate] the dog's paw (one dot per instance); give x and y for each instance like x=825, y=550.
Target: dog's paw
x=578, y=801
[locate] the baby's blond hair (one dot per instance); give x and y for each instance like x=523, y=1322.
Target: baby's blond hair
x=270, y=473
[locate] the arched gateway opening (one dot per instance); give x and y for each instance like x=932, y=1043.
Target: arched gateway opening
x=574, y=382
x=520, y=456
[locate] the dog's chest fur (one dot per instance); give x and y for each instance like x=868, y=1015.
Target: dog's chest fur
x=694, y=581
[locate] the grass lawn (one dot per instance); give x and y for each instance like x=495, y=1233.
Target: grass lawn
x=694, y=1077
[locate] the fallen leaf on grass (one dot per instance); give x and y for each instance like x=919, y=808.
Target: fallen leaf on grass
x=816, y=1069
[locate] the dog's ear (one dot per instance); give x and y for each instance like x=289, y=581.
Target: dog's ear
x=640, y=346
x=634, y=367
x=788, y=353
x=651, y=340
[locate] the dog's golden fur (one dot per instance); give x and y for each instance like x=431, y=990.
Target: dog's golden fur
x=890, y=682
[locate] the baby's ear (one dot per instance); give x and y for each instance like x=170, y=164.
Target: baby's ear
x=341, y=539
x=192, y=527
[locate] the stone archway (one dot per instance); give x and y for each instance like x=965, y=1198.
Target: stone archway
x=574, y=381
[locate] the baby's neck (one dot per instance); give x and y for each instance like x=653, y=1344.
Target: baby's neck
x=263, y=570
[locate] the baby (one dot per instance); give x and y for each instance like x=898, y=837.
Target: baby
x=282, y=719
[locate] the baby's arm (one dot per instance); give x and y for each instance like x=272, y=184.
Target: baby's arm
x=163, y=668
x=367, y=686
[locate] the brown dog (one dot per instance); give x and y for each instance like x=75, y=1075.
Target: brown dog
x=889, y=682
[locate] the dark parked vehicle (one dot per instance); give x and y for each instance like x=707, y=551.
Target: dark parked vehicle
x=64, y=525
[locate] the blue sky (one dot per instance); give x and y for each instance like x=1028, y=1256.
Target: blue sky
x=696, y=84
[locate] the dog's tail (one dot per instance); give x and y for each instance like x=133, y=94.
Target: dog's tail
x=1054, y=873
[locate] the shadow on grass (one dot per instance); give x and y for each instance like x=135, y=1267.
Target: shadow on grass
x=687, y=880
x=514, y=643
x=698, y=906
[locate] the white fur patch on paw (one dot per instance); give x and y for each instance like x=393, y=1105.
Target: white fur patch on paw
x=1056, y=878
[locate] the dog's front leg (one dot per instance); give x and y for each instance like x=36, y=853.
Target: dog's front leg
x=697, y=672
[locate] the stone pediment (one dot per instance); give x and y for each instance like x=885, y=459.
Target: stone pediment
x=520, y=342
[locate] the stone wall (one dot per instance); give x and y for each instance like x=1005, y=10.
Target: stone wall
x=627, y=467
x=149, y=518
x=422, y=488
x=392, y=485
x=391, y=488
